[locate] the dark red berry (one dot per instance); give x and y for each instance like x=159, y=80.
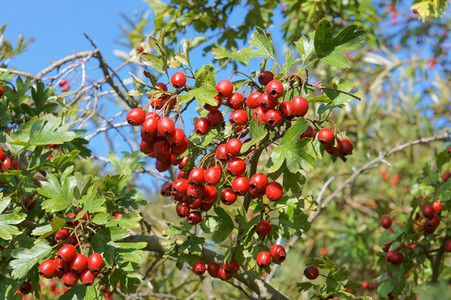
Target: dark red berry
x=286, y=110
x=178, y=80
x=236, y=167
x=25, y=288
x=233, y=147
x=448, y=245
x=394, y=257
x=223, y=275
x=273, y=117
x=180, y=186
x=150, y=127
x=228, y=196
x=258, y=182
x=267, y=102
x=136, y=116
x=182, y=209
x=165, y=126
x=238, y=118
x=221, y=153
x=232, y=266
x=213, y=269
x=446, y=175
x=202, y=126
x=224, y=88
x=308, y=133
x=199, y=267
x=161, y=86
x=428, y=211
x=263, y=259
x=196, y=204
x=67, y=253
x=146, y=147
x=299, y=105
x=386, y=222
x=47, y=268
x=235, y=101
x=195, y=192
x=87, y=277
x=253, y=100
x=215, y=117
x=265, y=77
x=162, y=166
x=210, y=194
x=79, y=263
x=263, y=228
x=278, y=253
x=240, y=185
x=213, y=175
x=181, y=148
x=70, y=278
x=177, y=138
x=274, y=191
x=60, y=83
x=346, y=146
x=194, y=218
x=61, y=235
x=95, y=262
x=274, y=88
x=326, y=136
x=196, y=176
x=311, y=272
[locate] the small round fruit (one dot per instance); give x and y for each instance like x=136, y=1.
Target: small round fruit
x=25, y=288
x=278, y=253
x=182, y=209
x=265, y=77
x=232, y=266
x=47, y=268
x=213, y=269
x=221, y=153
x=165, y=126
x=118, y=214
x=235, y=101
x=202, y=126
x=267, y=102
x=311, y=272
x=394, y=257
x=263, y=259
x=258, y=182
x=95, y=262
x=263, y=228
x=233, y=147
x=67, y=253
x=196, y=176
x=429, y=226
x=87, y=277
x=428, y=211
x=299, y=105
x=260, y=114
x=286, y=110
x=223, y=275
x=238, y=118
x=60, y=83
x=79, y=263
x=448, y=245
x=194, y=217
x=228, y=196
x=215, y=118
x=386, y=222
x=199, y=267
x=195, y=192
x=240, y=185
x=178, y=80
x=273, y=117
x=274, y=191
x=236, y=167
x=61, y=235
x=346, y=146
x=274, y=88
x=326, y=136
x=446, y=175
x=70, y=278
x=224, y=88
x=252, y=100
x=437, y=206
x=308, y=133
x=213, y=175
x=136, y=117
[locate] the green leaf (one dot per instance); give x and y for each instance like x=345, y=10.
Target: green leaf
x=7, y=230
x=323, y=37
x=385, y=288
x=193, y=244
x=50, y=132
x=305, y=48
x=303, y=286
x=60, y=194
x=205, y=77
x=46, y=230
x=224, y=227
x=153, y=61
x=129, y=220
x=204, y=95
x=243, y=56
x=81, y=292
x=257, y=131
x=25, y=259
x=262, y=41
x=8, y=287
x=100, y=242
x=91, y=203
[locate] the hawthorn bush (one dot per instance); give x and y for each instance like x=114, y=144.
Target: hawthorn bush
x=264, y=167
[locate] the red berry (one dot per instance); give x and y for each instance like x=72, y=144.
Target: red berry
x=236, y=167
x=233, y=147
x=87, y=277
x=394, y=257
x=437, y=206
x=273, y=117
x=146, y=147
x=215, y=117
x=232, y=266
x=181, y=148
x=60, y=83
x=25, y=288
x=180, y=186
x=195, y=192
x=67, y=253
x=210, y=107
x=139, y=49
x=346, y=146
x=118, y=214
x=238, y=117
x=166, y=126
x=260, y=114
x=223, y=275
x=61, y=265
x=253, y=100
x=299, y=106
x=196, y=204
x=206, y=206
x=263, y=259
x=386, y=222
x=267, y=102
x=182, y=209
x=194, y=218
x=70, y=278
x=228, y=197
x=240, y=185
x=274, y=191
x=177, y=138
x=199, y=267
x=258, y=182
x=428, y=211
x=213, y=175
x=178, y=80
x=136, y=116
x=435, y=221
x=278, y=253
x=2, y=155
x=446, y=175
x=263, y=228
x=265, y=77
x=308, y=133
x=429, y=227
x=202, y=126
x=274, y=88
x=150, y=127
x=213, y=269
x=65, y=87
x=286, y=110
x=61, y=235
x=448, y=245
x=95, y=262
x=47, y=268
x=326, y=136
x=210, y=194
x=224, y=88
x=196, y=176
x=311, y=272
x=235, y=101
x=221, y=153
x=79, y=263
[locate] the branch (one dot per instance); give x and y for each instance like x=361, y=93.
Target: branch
x=154, y=244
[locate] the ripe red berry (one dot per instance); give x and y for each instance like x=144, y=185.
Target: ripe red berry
x=196, y=176
x=202, y=126
x=386, y=222
x=47, y=268
x=437, y=206
x=67, y=253
x=286, y=110
x=235, y=101
x=194, y=218
x=260, y=114
x=232, y=266
x=448, y=245
x=274, y=191
x=236, y=167
x=299, y=106
x=429, y=226
x=177, y=138
x=61, y=265
x=238, y=118
x=224, y=88
x=195, y=192
x=240, y=185
x=223, y=275
x=199, y=267
x=206, y=206
x=87, y=277
x=308, y=133
x=61, y=235
x=311, y=272
x=428, y=211
x=139, y=49
x=70, y=278
x=273, y=117
x=233, y=147
x=196, y=204
x=215, y=117
x=278, y=253
x=435, y=221
x=274, y=88
x=165, y=126
x=221, y=153
x=25, y=288
x=213, y=269
x=326, y=136
x=210, y=194
x=95, y=262
x=267, y=102
x=252, y=100
x=346, y=146
x=180, y=186
x=79, y=263
x=446, y=175
x=65, y=87
x=179, y=149
x=263, y=228
x=146, y=147
x=213, y=175
x=258, y=182
x=263, y=259
x=394, y=257
x=60, y=83
x=2, y=155
x=136, y=116
x=178, y=80
x=265, y=77
x=228, y=197
x=6, y=164
x=150, y=127
x=210, y=107
x=182, y=209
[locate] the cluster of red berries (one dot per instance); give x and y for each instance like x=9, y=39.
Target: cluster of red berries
x=394, y=257
x=224, y=272
x=65, y=86
x=276, y=253
x=6, y=163
x=70, y=266
x=432, y=217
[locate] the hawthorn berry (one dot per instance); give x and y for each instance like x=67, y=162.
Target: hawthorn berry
x=136, y=117
x=149, y=127
x=65, y=87
x=446, y=175
x=238, y=118
x=232, y=266
x=428, y=211
x=260, y=114
x=265, y=77
x=79, y=263
x=263, y=259
x=274, y=191
x=178, y=80
x=228, y=196
x=60, y=83
x=263, y=228
x=195, y=192
x=286, y=110
x=95, y=262
x=253, y=100
x=202, y=126
x=299, y=105
x=224, y=88
x=199, y=267
x=308, y=133
x=177, y=138
x=274, y=88
x=233, y=147
x=196, y=176
x=2, y=155
x=181, y=148
x=67, y=253
x=166, y=126
x=236, y=167
x=273, y=117
x=267, y=102
x=394, y=257
x=435, y=221
x=213, y=175
x=448, y=245
x=213, y=269
x=210, y=194
x=87, y=277
x=235, y=101
x=6, y=164
x=61, y=265
x=346, y=146
x=139, y=49
x=196, y=204
x=61, y=235
x=211, y=107
x=258, y=182
x=386, y=222
x=146, y=147
x=221, y=153
x=429, y=227
x=437, y=206
x=215, y=117
x=311, y=272
x=118, y=214
x=182, y=209
x=223, y=275
x=278, y=253
x=180, y=186
x=194, y=217
x=25, y=288
x=326, y=136
x=206, y=206
x=47, y=268
x=240, y=185
x=70, y=278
